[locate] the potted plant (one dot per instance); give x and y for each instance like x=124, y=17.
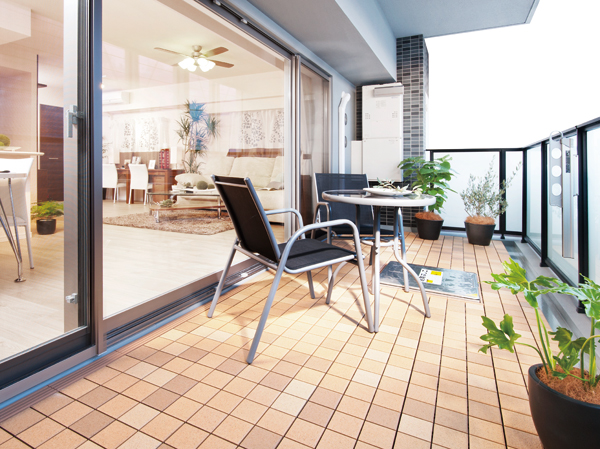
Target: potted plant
x=484, y=201
x=564, y=400
x=46, y=213
x=432, y=179
x=196, y=128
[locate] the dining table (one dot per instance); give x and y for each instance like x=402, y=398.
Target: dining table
x=13, y=240
x=396, y=200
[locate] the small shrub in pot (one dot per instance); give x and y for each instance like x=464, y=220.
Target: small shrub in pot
x=46, y=213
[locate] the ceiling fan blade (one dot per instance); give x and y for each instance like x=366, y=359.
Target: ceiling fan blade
x=215, y=52
x=171, y=51
x=222, y=64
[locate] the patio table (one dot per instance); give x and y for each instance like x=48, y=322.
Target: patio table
x=14, y=241
x=363, y=198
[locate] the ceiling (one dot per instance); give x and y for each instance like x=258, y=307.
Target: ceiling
x=357, y=37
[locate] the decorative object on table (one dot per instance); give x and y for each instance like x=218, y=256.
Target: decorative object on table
x=484, y=201
x=164, y=158
x=167, y=203
x=4, y=140
x=431, y=179
x=196, y=128
x=199, y=222
x=152, y=164
x=127, y=162
x=564, y=400
x=387, y=188
x=46, y=213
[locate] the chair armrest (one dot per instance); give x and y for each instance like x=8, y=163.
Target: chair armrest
x=327, y=208
x=290, y=210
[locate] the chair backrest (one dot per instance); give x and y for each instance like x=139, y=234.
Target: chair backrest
x=248, y=216
x=343, y=181
x=19, y=186
x=110, y=176
x=139, y=176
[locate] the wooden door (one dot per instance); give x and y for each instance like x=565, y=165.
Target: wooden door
x=51, y=172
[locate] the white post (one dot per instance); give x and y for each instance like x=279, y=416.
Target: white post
x=342, y=132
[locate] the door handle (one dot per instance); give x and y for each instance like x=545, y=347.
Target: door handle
x=53, y=158
x=72, y=119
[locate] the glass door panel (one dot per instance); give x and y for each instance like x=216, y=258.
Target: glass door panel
x=39, y=79
x=314, y=136
x=185, y=95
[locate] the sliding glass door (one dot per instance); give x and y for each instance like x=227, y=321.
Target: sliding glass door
x=46, y=157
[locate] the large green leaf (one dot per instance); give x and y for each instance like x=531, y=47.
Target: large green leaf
x=566, y=344
x=503, y=337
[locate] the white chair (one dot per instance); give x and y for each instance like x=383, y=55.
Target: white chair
x=19, y=190
x=110, y=180
x=139, y=180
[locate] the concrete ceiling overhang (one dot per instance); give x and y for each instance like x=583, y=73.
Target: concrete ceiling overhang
x=357, y=37
x=433, y=18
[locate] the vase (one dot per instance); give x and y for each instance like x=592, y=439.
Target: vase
x=561, y=422
x=46, y=226
x=429, y=229
x=479, y=234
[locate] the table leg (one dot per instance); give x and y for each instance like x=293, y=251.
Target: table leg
x=404, y=263
x=219, y=206
x=16, y=247
x=375, y=277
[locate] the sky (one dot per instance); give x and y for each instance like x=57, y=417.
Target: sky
x=512, y=86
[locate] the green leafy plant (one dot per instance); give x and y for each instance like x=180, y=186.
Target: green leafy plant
x=47, y=209
x=4, y=140
x=431, y=178
x=196, y=128
x=202, y=185
x=484, y=196
x=167, y=203
x=571, y=351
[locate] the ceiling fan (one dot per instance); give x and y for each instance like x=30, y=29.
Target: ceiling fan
x=198, y=59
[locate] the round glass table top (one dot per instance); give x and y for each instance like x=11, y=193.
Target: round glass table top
x=369, y=199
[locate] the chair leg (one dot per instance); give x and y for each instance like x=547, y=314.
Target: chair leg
x=213, y=305
x=332, y=281
x=363, y=282
x=310, y=284
x=130, y=196
x=145, y=196
x=28, y=235
x=265, y=314
x=115, y=194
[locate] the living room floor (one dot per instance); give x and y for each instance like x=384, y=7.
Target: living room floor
x=139, y=264
x=320, y=378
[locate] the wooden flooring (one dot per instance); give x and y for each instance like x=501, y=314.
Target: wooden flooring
x=139, y=264
x=320, y=379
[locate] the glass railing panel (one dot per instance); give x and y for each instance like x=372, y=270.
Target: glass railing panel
x=534, y=195
x=514, y=193
x=593, y=176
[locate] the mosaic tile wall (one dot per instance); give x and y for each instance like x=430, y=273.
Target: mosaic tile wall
x=412, y=70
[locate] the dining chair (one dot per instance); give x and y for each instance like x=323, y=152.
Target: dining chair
x=19, y=191
x=110, y=180
x=256, y=240
x=139, y=180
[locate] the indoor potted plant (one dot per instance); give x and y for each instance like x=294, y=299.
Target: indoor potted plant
x=196, y=128
x=564, y=400
x=484, y=201
x=432, y=179
x=46, y=213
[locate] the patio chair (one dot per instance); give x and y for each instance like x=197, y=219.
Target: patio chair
x=110, y=180
x=256, y=240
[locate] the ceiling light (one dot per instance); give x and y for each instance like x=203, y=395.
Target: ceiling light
x=189, y=64
x=205, y=64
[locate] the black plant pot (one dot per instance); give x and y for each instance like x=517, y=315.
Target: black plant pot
x=46, y=226
x=479, y=234
x=429, y=229
x=561, y=421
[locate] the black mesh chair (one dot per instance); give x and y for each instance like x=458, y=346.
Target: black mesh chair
x=256, y=240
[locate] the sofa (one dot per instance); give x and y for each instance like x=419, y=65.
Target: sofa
x=266, y=174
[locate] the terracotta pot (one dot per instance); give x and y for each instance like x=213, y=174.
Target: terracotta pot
x=479, y=234
x=561, y=421
x=46, y=226
x=429, y=229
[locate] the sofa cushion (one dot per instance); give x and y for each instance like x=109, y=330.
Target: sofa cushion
x=277, y=174
x=216, y=164
x=258, y=169
x=192, y=178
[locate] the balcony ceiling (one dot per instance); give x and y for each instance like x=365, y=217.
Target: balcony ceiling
x=357, y=37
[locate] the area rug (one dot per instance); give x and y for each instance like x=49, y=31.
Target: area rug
x=200, y=222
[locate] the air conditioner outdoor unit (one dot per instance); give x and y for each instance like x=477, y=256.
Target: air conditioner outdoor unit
x=115, y=97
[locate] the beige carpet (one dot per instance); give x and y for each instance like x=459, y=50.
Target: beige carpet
x=183, y=221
